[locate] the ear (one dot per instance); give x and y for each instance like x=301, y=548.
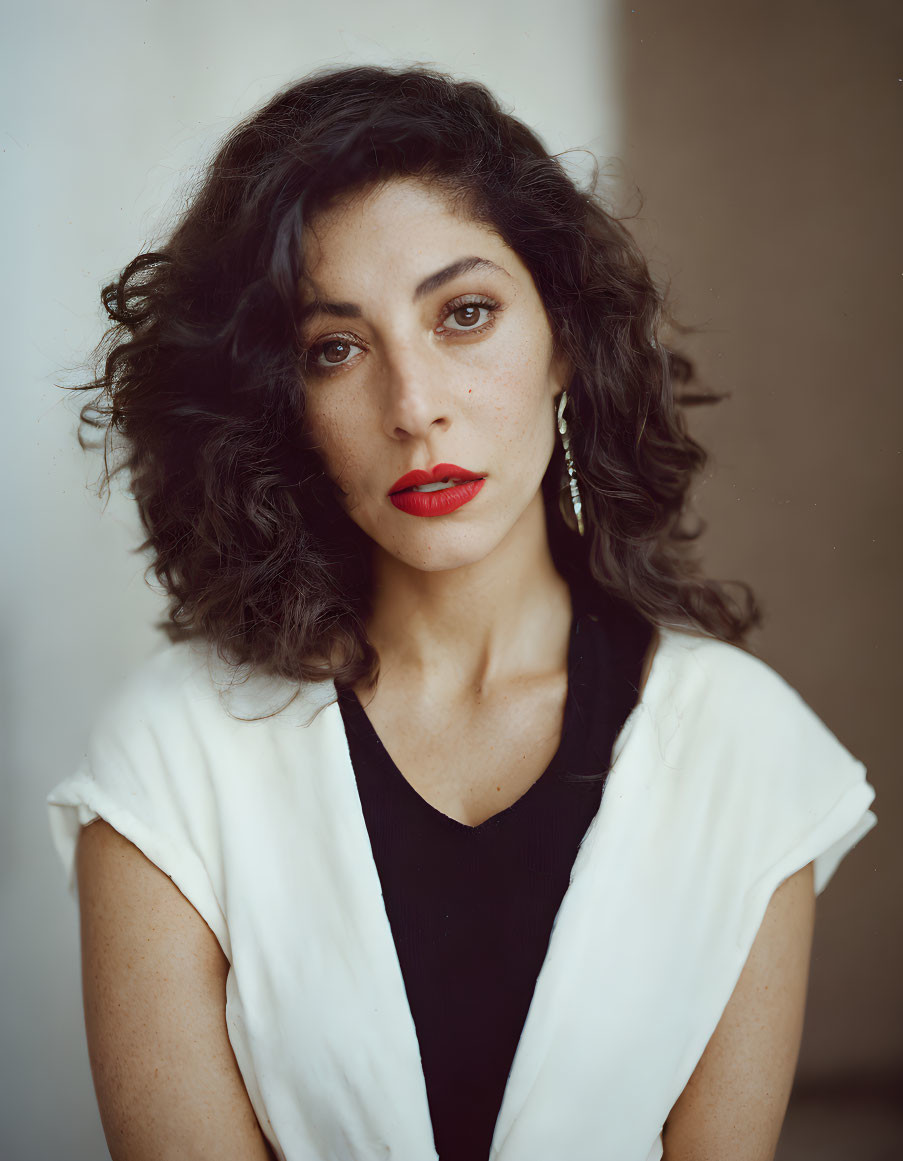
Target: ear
x=561, y=372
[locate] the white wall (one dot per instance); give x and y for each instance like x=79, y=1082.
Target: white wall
x=107, y=107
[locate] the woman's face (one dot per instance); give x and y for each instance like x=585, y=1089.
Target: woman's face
x=427, y=347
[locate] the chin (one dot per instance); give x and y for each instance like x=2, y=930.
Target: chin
x=442, y=549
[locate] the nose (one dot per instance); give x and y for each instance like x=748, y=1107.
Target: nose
x=415, y=397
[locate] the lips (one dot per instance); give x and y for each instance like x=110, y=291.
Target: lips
x=436, y=475
x=462, y=486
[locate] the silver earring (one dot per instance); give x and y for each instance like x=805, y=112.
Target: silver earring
x=576, y=501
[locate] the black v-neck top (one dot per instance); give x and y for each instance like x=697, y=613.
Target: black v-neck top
x=471, y=908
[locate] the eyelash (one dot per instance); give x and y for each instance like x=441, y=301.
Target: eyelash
x=490, y=304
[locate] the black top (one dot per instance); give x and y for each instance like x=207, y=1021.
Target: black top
x=471, y=908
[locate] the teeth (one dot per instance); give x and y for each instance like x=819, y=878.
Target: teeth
x=436, y=487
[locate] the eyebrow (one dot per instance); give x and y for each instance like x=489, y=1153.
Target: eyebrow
x=430, y=284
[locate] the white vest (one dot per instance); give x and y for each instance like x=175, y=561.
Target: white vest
x=724, y=783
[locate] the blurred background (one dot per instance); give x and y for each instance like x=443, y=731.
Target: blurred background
x=756, y=148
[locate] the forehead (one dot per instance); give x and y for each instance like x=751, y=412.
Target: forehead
x=398, y=230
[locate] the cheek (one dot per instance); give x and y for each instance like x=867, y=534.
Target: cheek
x=520, y=401
x=336, y=440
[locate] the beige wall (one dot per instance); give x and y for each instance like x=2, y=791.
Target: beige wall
x=766, y=139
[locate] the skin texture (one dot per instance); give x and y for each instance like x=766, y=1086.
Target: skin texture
x=417, y=386
x=471, y=622
x=154, y=988
x=734, y=1103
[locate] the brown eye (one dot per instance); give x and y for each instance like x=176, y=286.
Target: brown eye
x=467, y=316
x=331, y=353
x=336, y=351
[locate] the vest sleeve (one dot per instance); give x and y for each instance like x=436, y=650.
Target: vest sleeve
x=144, y=773
x=816, y=801
x=777, y=789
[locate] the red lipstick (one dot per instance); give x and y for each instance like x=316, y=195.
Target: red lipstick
x=462, y=486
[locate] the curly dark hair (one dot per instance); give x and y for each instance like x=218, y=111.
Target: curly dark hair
x=201, y=374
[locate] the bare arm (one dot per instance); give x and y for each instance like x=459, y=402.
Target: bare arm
x=735, y=1101
x=154, y=986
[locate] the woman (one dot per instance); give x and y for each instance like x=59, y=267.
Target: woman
x=455, y=819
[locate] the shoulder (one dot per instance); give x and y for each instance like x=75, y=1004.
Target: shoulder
x=172, y=677
x=713, y=664
x=725, y=693
x=189, y=684
x=729, y=692
x=183, y=739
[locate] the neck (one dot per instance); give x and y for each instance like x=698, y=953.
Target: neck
x=477, y=625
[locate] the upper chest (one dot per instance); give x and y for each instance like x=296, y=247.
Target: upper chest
x=471, y=756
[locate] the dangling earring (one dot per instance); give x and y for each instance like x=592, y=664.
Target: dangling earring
x=576, y=502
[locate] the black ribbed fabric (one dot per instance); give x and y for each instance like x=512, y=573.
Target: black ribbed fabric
x=471, y=908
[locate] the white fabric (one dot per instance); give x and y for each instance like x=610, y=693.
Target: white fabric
x=724, y=783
